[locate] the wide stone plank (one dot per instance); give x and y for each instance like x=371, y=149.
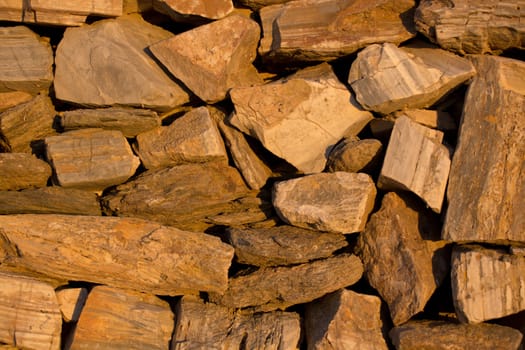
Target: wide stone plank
x=22, y=170
x=110, y=8
x=18, y=11
x=186, y=11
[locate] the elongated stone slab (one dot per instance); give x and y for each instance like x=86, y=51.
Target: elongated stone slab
x=18, y=11
x=22, y=170
x=186, y=10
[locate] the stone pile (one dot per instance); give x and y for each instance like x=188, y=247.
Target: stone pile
x=262, y=174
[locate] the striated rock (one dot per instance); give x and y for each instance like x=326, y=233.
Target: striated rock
x=257, y=4
x=335, y=202
x=345, y=320
x=488, y=204
x=126, y=252
x=182, y=11
x=29, y=313
x=18, y=11
x=13, y=98
x=26, y=61
x=313, y=30
x=420, y=165
x=71, y=301
x=353, y=155
x=106, y=64
x=434, y=119
x=301, y=117
x=473, y=27
x=22, y=170
x=220, y=57
x=402, y=257
x=386, y=78
x=121, y=319
x=274, y=288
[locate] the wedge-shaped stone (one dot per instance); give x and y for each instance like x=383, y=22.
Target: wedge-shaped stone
x=106, y=64
x=353, y=155
x=345, y=320
x=71, y=302
x=402, y=256
x=13, y=98
x=313, y=30
x=22, y=170
x=386, y=78
x=274, y=288
x=121, y=319
x=434, y=119
x=416, y=161
x=125, y=252
x=334, y=202
x=489, y=203
x=187, y=10
x=29, y=313
x=301, y=117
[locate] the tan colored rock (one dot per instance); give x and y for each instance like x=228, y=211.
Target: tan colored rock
x=489, y=203
x=301, y=117
x=353, y=155
x=181, y=10
x=126, y=252
x=257, y=4
x=106, y=64
x=434, y=119
x=111, y=8
x=18, y=11
x=136, y=6
x=29, y=313
x=13, y=98
x=22, y=170
x=71, y=302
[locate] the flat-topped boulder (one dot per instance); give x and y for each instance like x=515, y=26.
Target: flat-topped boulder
x=22, y=170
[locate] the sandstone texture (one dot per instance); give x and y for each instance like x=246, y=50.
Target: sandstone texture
x=353, y=155
x=180, y=10
x=434, y=119
x=22, y=170
x=13, y=98
x=71, y=301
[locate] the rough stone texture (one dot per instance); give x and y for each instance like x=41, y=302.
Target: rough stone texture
x=345, y=320
x=464, y=26
x=91, y=158
x=136, y=6
x=313, y=30
x=126, y=252
x=257, y=4
x=334, y=202
x=274, y=288
x=192, y=138
x=416, y=161
x=19, y=11
x=353, y=155
x=386, y=78
x=106, y=64
x=121, y=319
x=402, y=257
x=26, y=61
x=488, y=204
x=180, y=10
x=22, y=170
x=219, y=58
x=434, y=119
x=301, y=117
x=13, y=98
x=440, y=335
x=29, y=313
x=282, y=245
x=71, y=301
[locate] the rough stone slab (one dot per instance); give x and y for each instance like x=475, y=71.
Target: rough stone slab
x=130, y=122
x=91, y=158
x=386, y=78
x=126, y=252
x=299, y=118
x=258, y=4
x=15, y=11
x=274, y=288
x=345, y=320
x=473, y=27
x=22, y=170
x=181, y=10
x=110, y=8
x=29, y=313
x=314, y=30
x=489, y=203
x=121, y=319
x=192, y=138
x=106, y=64
x=440, y=335
x=353, y=155
x=334, y=202
x=13, y=98
x=434, y=119
x=26, y=61
x=71, y=301
x=282, y=245
x=136, y=6
x=219, y=58
x=402, y=256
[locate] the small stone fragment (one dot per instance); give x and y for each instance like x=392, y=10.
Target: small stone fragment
x=22, y=170
x=71, y=302
x=353, y=155
x=185, y=10
x=434, y=119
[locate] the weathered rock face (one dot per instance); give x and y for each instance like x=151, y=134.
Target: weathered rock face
x=434, y=119
x=353, y=155
x=488, y=204
x=71, y=301
x=22, y=170
x=181, y=10
x=13, y=98
x=257, y=4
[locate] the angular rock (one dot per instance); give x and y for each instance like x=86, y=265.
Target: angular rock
x=353, y=155
x=386, y=78
x=121, y=319
x=313, y=30
x=282, y=245
x=13, y=98
x=192, y=138
x=257, y=4
x=71, y=302
x=18, y=11
x=186, y=10
x=136, y=6
x=91, y=158
x=106, y=64
x=274, y=288
x=478, y=27
x=301, y=117
x=440, y=335
x=345, y=320
x=219, y=58
x=130, y=122
x=27, y=61
x=334, y=202
x=434, y=119
x=402, y=256
x=488, y=204
x=126, y=252
x=22, y=170
x=29, y=313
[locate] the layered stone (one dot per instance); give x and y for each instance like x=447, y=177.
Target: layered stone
x=22, y=170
